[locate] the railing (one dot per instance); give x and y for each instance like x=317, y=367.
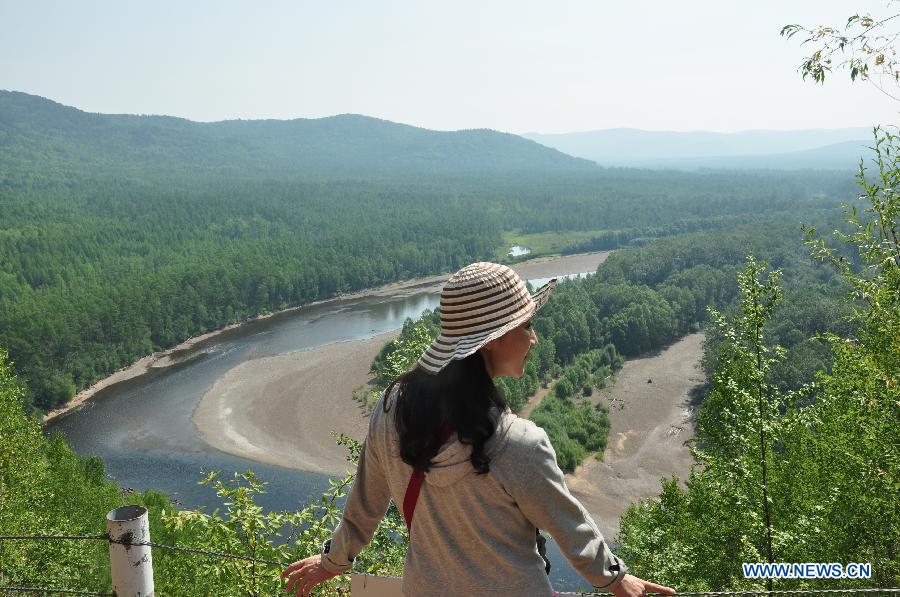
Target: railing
x=131, y=564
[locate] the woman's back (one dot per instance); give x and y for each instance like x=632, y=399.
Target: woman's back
x=476, y=514
x=475, y=532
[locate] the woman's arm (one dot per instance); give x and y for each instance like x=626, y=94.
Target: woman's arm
x=545, y=500
x=365, y=507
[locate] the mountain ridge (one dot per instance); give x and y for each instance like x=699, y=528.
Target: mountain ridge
x=43, y=133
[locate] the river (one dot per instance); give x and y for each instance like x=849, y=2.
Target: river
x=142, y=427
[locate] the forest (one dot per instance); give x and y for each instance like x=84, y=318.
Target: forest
x=100, y=268
x=640, y=300
x=116, y=240
x=54, y=489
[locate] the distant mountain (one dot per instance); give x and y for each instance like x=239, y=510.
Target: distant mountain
x=837, y=156
x=836, y=148
x=37, y=132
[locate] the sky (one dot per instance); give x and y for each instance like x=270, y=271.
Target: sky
x=517, y=66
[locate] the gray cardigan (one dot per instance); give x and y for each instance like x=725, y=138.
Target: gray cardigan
x=471, y=533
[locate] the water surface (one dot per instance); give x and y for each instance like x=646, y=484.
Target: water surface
x=142, y=427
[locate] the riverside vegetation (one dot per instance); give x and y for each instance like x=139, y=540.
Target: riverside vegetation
x=117, y=239
x=56, y=491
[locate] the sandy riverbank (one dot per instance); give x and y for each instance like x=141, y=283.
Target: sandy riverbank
x=536, y=268
x=280, y=410
x=541, y=267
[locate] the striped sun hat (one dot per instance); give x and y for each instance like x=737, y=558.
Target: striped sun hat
x=480, y=303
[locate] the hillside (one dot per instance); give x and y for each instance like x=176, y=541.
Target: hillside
x=123, y=235
x=38, y=133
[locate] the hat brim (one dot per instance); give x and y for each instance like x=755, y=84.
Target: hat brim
x=444, y=349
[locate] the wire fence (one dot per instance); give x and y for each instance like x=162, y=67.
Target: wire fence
x=129, y=543
x=869, y=592
x=108, y=539
x=46, y=590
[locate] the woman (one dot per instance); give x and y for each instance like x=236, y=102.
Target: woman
x=475, y=481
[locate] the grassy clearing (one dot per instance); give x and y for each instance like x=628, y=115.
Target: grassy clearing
x=543, y=243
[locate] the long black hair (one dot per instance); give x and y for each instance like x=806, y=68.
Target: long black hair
x=462, y=396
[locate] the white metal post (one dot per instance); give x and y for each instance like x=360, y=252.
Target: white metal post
x=132, y=565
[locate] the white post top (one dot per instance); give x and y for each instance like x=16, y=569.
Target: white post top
x=131, y=565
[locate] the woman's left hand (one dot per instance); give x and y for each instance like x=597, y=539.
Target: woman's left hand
x=632, y=586
x=305, y=574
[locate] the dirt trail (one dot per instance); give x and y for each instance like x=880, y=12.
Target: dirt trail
x=532, y=403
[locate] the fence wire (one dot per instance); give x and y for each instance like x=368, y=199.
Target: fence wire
x=66, y=537
x=191, y=550
x=48, y=590
x=202, y=552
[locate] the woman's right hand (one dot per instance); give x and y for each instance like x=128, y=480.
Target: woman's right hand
x=632, y=586
x=303, y=575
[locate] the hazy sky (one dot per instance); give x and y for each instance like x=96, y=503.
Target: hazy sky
x=520, y=66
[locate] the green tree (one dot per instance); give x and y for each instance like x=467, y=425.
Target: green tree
x=724, y=517
x=864, y=46
x=853, y=430
x=245, y=529
x=45, y=488
x=832, y=449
